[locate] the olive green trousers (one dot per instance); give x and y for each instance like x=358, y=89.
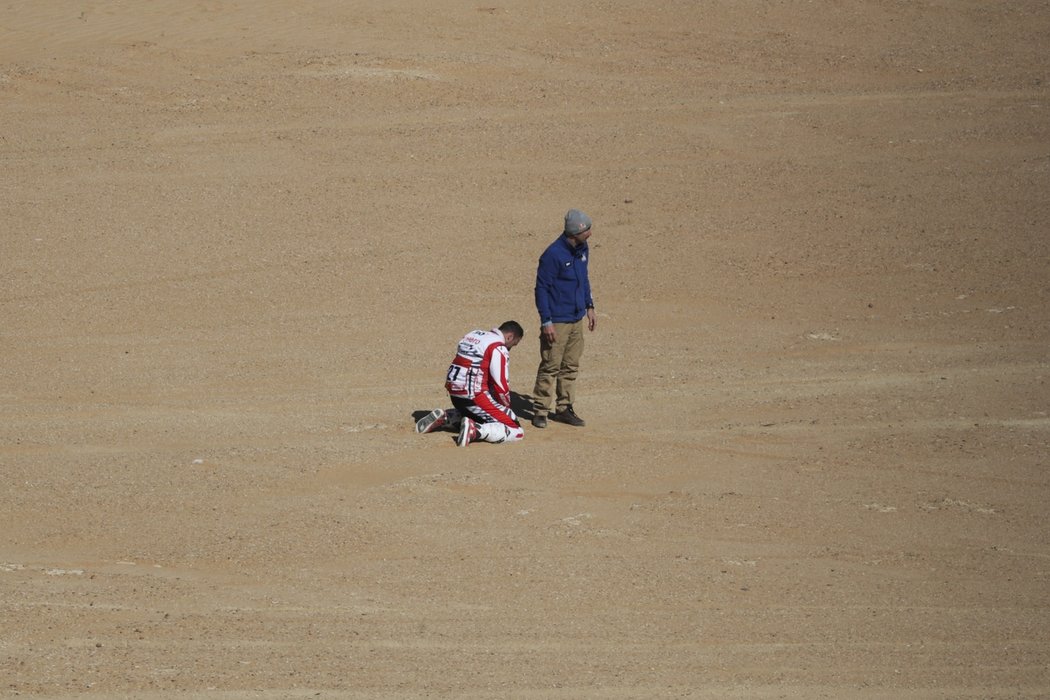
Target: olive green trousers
x=559, y=366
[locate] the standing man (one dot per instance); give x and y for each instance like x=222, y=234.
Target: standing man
x=478, y=383
x=563, y=300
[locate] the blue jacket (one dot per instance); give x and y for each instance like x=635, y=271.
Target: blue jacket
x=563, y=291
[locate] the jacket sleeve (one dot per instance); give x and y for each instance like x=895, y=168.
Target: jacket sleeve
x=546, y=275
x=588, y=300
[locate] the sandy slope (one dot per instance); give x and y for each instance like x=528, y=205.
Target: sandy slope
x=240, y=240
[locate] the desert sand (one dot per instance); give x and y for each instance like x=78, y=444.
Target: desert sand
x=240, y=240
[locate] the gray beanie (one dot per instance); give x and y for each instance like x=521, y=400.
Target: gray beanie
x=576, y=222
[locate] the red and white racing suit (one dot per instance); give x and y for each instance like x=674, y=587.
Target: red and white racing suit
x=478, y=384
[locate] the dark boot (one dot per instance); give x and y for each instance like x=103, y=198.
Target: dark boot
x=568, y=416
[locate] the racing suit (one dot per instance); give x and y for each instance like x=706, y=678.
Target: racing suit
x=478, y=384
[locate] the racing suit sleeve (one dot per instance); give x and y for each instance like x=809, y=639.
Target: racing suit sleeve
x=499, y=375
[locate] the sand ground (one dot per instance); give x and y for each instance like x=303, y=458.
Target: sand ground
x=239, y=242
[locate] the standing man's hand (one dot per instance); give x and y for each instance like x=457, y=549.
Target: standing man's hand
x=592, y=320
x=548, y=333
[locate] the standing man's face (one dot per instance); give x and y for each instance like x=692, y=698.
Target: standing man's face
x=579, y=238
